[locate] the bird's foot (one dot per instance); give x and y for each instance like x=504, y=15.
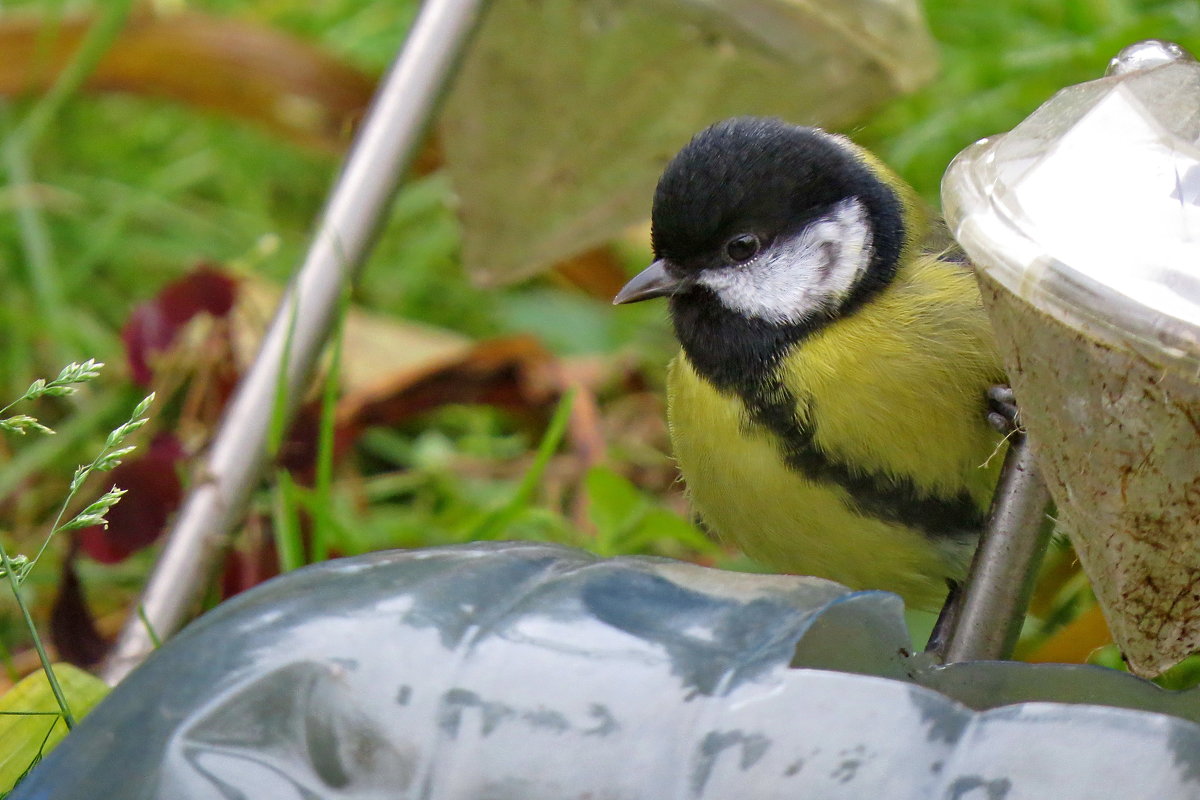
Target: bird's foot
x=1003, y=414
x=940, y=635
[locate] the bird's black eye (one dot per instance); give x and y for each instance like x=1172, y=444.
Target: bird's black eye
x=743, y=247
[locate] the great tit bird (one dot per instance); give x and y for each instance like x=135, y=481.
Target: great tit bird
x=828, y=409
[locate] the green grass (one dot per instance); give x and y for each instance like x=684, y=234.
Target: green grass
x=15, y=568
x=1002, y=60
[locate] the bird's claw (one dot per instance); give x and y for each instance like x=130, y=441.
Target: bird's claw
x=1003, y=414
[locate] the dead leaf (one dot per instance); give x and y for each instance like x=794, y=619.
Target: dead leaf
x=597, y=272
x=252, y=560
x=154, y=492
x=251, y=72
x=1075, y=641
x=377, y=350
x=72, y=627
x=564, y=113
x=514, y=373
x=153, y=326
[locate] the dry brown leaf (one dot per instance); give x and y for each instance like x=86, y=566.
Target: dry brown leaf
x=597, y=272
x=392, y=369
x=564, y=113
x=288, y=85
x=379, y=352
x=514, y=373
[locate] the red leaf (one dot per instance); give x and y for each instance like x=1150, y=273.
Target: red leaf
x=248, y=566
x=154, y=492
x=299, y=450
x=153, y=325
x=72, y=628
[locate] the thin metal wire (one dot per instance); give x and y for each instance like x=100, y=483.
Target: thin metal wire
x=222, y=485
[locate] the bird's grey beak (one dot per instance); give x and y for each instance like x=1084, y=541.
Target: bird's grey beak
x=653, y=281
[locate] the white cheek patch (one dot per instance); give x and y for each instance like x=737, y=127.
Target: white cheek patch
x=798, y=276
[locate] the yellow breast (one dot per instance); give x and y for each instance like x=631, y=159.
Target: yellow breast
x=896, y=389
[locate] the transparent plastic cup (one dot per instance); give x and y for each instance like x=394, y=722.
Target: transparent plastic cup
x=1084, y=224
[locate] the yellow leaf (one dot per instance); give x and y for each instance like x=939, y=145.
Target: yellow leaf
x=1075, y=641
x=30, y=725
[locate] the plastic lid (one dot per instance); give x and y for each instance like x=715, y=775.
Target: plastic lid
x=1090, y=208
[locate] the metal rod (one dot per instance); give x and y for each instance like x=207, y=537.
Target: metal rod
x=985, y=619
x=225, y=479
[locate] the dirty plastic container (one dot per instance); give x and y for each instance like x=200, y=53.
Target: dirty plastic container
x=1084, y=222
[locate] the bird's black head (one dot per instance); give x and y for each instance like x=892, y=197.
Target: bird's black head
x=763, y=231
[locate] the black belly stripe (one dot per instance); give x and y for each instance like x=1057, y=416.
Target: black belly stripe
x=884, y=497
x=739, y=355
